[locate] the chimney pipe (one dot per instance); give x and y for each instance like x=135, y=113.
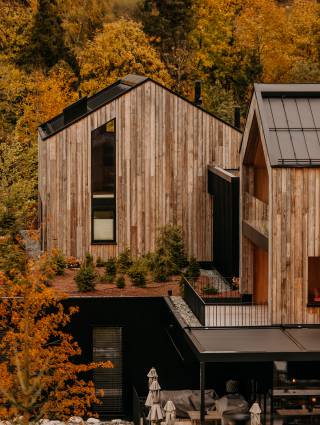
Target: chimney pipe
x=197, y=93
x=237, y=117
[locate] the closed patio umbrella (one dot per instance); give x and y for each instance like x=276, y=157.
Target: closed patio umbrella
x=152, y=376
x=153, y=400
x=170, y=411
x=255, y=412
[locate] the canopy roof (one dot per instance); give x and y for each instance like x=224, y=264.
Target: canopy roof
x=290, y=115
x=255, y=344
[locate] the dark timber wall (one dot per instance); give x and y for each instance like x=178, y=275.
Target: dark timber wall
x=225, y=190
x=148, y=333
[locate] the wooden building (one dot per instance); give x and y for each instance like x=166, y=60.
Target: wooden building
x=280, y=202
x=115, y=167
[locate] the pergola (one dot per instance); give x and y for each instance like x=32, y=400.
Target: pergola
x=252, y=344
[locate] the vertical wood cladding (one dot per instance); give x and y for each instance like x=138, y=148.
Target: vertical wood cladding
x=164, y=145
x=295, y=236
x=293, y=232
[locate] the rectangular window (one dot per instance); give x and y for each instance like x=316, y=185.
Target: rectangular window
x=103, y=183
x=314, y=280
x=107, y=346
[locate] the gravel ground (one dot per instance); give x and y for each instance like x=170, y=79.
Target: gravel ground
x=184, y=311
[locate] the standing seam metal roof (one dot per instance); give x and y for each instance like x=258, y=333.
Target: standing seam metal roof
x=290, y=116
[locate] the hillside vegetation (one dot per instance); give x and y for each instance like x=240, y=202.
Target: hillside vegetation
x=53, y=51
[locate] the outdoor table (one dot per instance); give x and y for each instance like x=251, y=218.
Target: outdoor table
x=212, y=415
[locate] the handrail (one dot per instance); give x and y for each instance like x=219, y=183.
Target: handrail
x=194, y=300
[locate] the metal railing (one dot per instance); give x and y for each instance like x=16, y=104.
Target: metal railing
x=218, y=302
x=194, y=301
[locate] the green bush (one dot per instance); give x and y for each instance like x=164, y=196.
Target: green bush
x=110, y=270
x=86, y=278
x=138, y=273
x=161, y=268
x=170, y=245
x=58, y=262
x=88, y=261
x=124, y=261
x=120, y=282
x=100, y=262
x=210, y=290
x=193, y=269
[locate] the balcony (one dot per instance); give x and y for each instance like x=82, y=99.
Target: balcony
x=217, y=302
x=255, y=213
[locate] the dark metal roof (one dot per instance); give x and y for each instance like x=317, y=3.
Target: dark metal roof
x=255, y=344
x=94, y=102
x=290, y=115
x=103, y=97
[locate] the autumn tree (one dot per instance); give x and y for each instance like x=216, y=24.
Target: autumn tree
x=39, y=376
x=46, y=39
x=168, y=24
x=119, y=49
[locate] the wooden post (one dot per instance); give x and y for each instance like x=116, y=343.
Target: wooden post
x=202, y=395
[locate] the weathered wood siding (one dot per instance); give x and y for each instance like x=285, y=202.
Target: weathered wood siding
x=293, y=233
x=164, y=145
x=295, y=236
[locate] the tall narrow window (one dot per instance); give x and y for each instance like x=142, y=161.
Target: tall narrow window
x=103, y=183
x=314, y=280
x=107, y=345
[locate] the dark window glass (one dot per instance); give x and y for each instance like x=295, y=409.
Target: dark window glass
x=314, y=280
x=103, y=160
x=103, y=181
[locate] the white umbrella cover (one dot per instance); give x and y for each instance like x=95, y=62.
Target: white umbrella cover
x=149, y=400
x=255, y=414
x=152, y=375
x=170, y=411
x=155, y=414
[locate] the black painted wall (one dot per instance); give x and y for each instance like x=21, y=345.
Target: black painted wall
x=225, y=224
x=148, y=334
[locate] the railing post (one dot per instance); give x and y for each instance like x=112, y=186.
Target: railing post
x=202, y=393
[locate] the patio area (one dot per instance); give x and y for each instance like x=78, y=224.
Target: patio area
x=217, y=301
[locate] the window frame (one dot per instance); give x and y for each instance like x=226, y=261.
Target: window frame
x=311, y=302
x=106, y=204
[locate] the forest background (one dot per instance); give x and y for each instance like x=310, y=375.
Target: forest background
x=54, y=51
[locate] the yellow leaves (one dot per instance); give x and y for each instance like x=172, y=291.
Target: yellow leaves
x=38, y=376
x=120, y=48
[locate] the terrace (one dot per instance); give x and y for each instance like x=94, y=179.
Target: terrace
x=218, y=302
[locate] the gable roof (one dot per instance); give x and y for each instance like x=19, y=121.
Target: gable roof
x=86, y=106
x=290, y=115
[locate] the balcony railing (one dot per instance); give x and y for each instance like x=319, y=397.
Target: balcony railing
x=255, y=213
x=217, y=301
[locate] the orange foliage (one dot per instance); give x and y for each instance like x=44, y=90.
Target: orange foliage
x=38, y=376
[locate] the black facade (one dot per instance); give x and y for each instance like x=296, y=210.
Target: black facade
x=224, y=187
x=150, y=338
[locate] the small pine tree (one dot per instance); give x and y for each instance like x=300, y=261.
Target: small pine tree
x=86, y=278
x=120, y=282
x=110, y=270
x=138, y=273
x=170, y=245
x=59, y=262
x=124, y=261
x=193, y=270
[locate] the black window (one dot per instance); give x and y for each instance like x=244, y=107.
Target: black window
x=107, y=346
x=103, y=183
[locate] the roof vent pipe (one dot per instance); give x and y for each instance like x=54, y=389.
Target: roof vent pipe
x=237, y=117
x=197, y=93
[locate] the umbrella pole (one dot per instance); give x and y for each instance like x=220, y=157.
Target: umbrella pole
x=202, y=387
